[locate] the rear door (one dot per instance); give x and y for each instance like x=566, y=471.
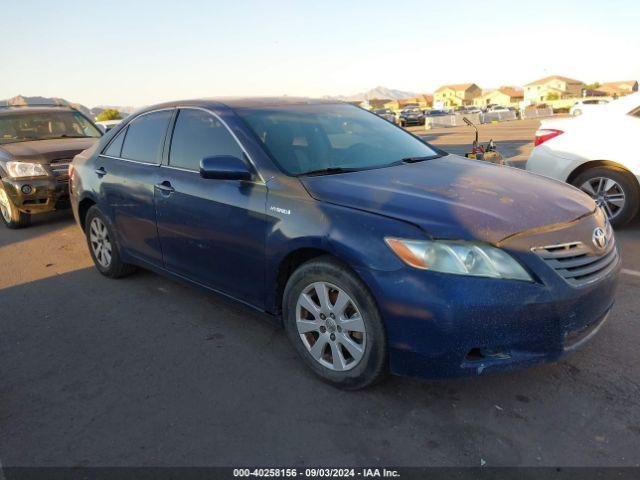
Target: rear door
x=211, y=231
x=128, y=170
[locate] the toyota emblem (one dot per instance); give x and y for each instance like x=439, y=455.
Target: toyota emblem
x=600, y=239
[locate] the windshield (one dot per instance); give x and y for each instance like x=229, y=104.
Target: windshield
x=311, y=138
x=27, y=126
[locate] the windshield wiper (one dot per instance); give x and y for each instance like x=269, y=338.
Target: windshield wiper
x=417, y=159
x=329, y=171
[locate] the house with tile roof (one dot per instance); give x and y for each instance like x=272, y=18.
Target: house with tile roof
x=423, y=101
x=554, y=87
x=457, y=95
x=618, y=89
x=505, y=96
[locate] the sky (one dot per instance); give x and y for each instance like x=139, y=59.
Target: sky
x=139, y=52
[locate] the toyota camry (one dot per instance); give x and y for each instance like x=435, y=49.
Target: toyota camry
x=377, y=251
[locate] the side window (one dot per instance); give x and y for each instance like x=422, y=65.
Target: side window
x=145, y=137
x=115, y=147
x=198, y=134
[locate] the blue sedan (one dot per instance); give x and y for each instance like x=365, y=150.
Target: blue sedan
x=377, y=251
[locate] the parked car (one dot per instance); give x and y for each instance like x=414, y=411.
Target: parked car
x=469, y=110
x=377, y=251
x=596, y=153
x=387, y=114
x=436, y=113
x=37, y=144
x=411, y=116
x=583, y=106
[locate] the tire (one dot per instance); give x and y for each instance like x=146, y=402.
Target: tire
x=625, y=184
x=10, y=216
x=99, y=232
x=341, y=333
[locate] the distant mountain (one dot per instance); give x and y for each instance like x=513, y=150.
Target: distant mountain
x=378, y=92
x=22, y=100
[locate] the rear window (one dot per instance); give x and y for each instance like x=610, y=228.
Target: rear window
x=145, y=137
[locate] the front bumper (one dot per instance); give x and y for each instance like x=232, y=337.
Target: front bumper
x=47, y=194
x=441, y=325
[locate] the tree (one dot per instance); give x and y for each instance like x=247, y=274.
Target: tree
x=592, y=86
x=553, y=96
x=109, y=114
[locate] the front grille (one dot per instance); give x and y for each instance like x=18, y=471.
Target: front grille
x=60, y=169
x=577, y=264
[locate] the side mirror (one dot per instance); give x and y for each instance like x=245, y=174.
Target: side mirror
x=224, y=167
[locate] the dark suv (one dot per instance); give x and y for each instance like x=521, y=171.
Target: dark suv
x=36, y=148
x=411, y=116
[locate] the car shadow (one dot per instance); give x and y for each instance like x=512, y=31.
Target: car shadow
x=146, y=371
x=42, y=224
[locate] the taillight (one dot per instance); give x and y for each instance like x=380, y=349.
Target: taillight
x=546, y=134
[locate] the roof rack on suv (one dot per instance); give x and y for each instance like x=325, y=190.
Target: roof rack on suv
x=36, y=105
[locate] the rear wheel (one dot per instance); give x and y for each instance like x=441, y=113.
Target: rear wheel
x=334, y=324
x=613, y=189
x=10, y=215
x=103, y=246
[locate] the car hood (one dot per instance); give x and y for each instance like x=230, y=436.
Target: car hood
x=44, y=151
x=456, y=198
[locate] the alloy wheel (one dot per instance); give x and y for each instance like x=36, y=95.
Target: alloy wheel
x=100, y=242
x=330, y=326
x=5, y=209
x=607, y=193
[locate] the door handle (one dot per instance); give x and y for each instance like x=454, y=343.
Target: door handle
x=101, y=172
x=165, y=187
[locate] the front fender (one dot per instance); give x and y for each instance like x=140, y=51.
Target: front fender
x=353, y=236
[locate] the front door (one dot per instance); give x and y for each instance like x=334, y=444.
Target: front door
x=211, y=231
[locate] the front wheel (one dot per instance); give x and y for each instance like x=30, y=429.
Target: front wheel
x=334, y=324
x=614, y=190
x=10, y=215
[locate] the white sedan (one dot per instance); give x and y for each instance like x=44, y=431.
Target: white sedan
x=587, y=106
x=596, y=153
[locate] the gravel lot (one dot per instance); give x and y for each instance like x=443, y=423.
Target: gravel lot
x=144, y=371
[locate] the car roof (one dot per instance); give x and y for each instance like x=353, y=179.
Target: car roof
x=12, y=109
x=244, y=102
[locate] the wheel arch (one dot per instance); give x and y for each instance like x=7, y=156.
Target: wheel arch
x=583, y=167
x=83, y=207
x=294, y=259
x=290, y=264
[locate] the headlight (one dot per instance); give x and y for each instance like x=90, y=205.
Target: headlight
x=460, y=258
x=24, y=169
